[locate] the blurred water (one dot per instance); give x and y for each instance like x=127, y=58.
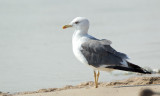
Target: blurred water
x=36, y=53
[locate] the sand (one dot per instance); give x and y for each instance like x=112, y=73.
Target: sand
x=130, y=87
x=101, y=91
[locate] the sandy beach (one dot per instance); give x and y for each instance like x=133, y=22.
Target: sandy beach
x=101, y=91
x=129, y=87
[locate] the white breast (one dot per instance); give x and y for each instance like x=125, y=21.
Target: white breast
x=76, y=44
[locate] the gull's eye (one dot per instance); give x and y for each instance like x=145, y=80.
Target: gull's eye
x=76, y=22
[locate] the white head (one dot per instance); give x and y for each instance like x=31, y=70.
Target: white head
x=79, y=23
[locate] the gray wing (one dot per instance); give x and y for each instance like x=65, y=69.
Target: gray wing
x=99, y=52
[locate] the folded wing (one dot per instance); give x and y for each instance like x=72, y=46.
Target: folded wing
x=99, y=53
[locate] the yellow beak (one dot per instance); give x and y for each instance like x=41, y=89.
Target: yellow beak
x=66, y=26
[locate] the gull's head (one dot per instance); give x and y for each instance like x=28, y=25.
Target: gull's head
x=79, y=23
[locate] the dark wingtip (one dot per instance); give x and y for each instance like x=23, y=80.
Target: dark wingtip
x=139, y=69
x=147, y=72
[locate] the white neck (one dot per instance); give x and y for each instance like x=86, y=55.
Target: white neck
x=78, y=34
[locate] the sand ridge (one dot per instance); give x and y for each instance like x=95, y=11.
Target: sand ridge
x=134, y=81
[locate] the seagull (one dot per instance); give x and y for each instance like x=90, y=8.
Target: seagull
x=98, y=53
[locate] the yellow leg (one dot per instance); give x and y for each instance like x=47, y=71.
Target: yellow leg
x=95, y=79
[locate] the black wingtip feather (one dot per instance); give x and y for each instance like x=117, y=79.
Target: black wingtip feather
x=138, y=69
x=132, y=68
